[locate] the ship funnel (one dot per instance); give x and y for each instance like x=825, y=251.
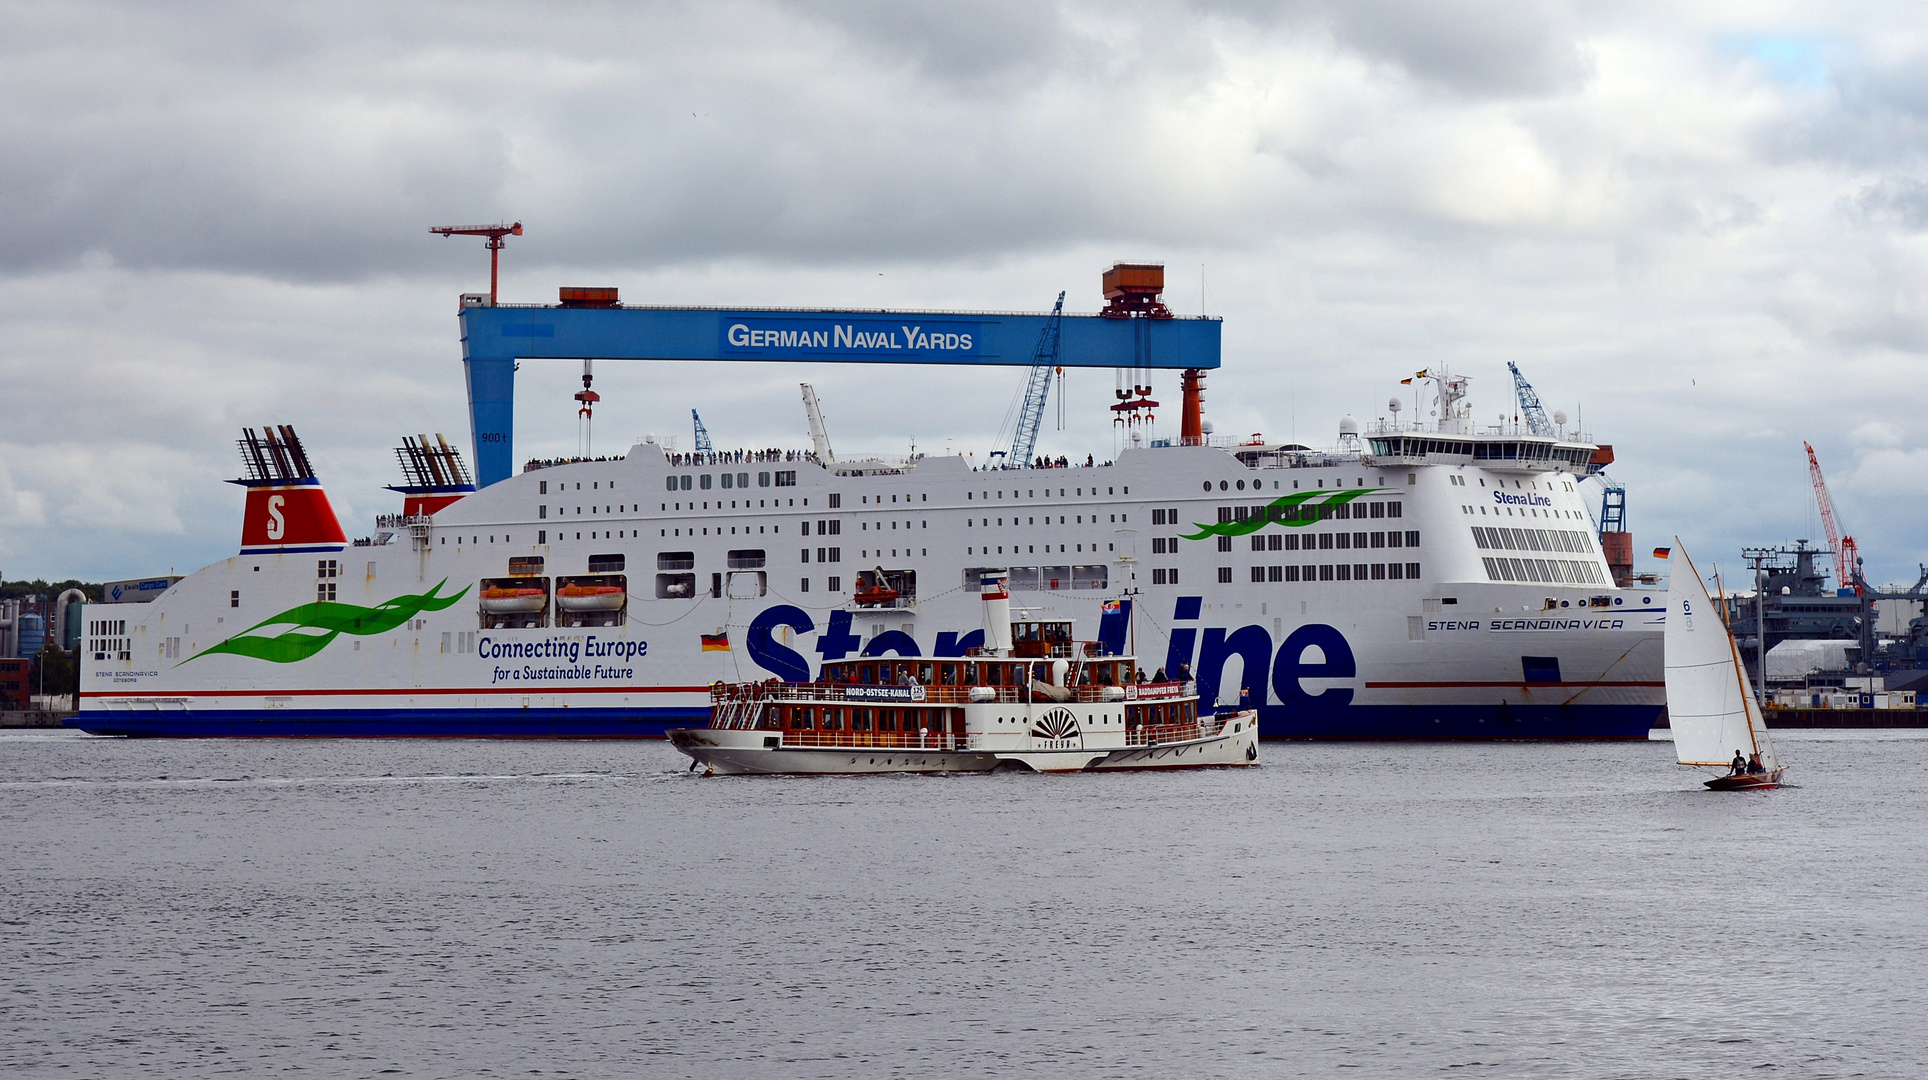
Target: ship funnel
x=433, y=475
x=287, y=510
x=994, y=586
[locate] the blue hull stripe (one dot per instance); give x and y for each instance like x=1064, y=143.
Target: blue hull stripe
x=1275, y=722
x=394, y=723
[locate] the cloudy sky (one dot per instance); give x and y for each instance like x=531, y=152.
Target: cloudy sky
x=1703, y=228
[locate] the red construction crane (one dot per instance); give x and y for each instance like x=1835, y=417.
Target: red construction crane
x=495, y=233
x=1846, y=554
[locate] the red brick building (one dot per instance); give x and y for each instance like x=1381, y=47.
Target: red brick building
x=13, y=683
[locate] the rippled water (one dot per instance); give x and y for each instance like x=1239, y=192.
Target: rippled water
x=586, y=909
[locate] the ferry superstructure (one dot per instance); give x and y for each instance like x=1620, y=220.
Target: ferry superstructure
x=1412, y=584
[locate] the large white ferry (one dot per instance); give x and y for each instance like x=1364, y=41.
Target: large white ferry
x=1420, y=581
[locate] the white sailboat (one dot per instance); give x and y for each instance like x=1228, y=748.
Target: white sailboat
x=1715, y=718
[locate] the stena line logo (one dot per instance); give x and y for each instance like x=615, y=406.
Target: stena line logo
x=807, y=336
x=1311, y=669
x=1503, y=499
x=276, y=523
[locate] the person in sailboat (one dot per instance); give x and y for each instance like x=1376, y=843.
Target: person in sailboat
x=1754, y=764
x=1738, y=766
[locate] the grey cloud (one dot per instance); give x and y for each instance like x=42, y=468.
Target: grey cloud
x=1491, y=48
x=1506, y=48
x=269, y=141
x=965, y=43
x=1900, y=201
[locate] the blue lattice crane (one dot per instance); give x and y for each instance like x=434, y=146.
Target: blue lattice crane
x=1044, y=362
x=1613, y=506
x=1536, y=421
x=702, y=434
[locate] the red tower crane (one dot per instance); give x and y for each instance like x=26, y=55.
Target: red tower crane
x=495, y=233
x=1846, y=554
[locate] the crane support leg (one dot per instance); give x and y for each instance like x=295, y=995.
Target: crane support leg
x=491, y=382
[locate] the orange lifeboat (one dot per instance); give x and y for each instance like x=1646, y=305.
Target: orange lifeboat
x=590, y=597
x=512, y=600
x=874, y=595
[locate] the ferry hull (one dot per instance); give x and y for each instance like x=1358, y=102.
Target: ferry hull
x=1461, y=722
x=1354, y=723
x=392, y=723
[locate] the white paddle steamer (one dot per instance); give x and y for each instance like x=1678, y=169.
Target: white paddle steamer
x=1034, y=699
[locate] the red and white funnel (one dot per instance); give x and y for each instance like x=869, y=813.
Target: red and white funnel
x=287, y=510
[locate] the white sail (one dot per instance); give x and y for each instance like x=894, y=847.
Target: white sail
x=1709, y=706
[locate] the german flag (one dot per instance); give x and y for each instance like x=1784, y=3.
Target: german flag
x=1661, y=553
x=719, y=642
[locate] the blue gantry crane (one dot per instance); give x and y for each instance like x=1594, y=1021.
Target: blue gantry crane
x=702, y=434
x=1536, y=420
x=1044, y=362
x=593, y=323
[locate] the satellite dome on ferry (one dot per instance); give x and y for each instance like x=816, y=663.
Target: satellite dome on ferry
x=1348, y=426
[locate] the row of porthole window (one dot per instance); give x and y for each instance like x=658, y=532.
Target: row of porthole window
x=704, y=481
x=1259, y=485
x=1032, y=493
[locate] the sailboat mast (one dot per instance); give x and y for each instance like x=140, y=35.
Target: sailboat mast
x=1760, y=619
x=1747, y=693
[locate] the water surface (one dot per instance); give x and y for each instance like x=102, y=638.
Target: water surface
x=454, y=909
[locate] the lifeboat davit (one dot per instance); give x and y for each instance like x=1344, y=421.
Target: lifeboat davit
x=498, y=600
x=591, y=597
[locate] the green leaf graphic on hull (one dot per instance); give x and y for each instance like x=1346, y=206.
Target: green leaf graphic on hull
x=312, y=626
x=1274, y=513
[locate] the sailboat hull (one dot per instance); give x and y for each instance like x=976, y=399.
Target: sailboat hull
x=1766, y=781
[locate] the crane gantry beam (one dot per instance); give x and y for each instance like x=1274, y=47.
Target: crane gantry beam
x=495, y=336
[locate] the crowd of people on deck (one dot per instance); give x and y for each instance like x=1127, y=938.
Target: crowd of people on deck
x=752, y=457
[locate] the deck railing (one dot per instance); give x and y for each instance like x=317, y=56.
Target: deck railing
x=741, y=704
x=1172, y=733
x=874, y=740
